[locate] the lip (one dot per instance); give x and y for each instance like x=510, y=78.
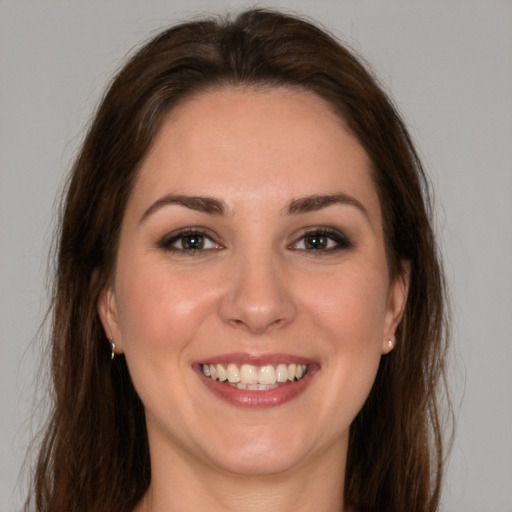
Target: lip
x=257, y=399
x=255, y=359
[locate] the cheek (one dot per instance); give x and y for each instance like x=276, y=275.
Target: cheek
x=348, y=310
x=351, y=307
x=350, y=318
x=160, y=312
x=159, y=309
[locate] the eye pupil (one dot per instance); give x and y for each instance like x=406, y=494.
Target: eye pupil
x=192, y=242
x=316, y=242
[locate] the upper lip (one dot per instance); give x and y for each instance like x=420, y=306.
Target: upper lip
x=255, y=359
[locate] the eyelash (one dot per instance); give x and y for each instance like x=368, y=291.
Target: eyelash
x=329, y=236
x=167, y=243
x=341, y=241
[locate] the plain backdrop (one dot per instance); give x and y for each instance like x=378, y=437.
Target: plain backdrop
x=448, y=65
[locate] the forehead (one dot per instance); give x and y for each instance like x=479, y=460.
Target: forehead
x=240, y=143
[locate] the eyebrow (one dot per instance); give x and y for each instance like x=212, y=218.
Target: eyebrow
x=318, y=202
x=214, y=206
x=198, y=203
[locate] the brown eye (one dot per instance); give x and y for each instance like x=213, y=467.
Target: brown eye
x=322, y=241
x=190, y=242
x=316, y=242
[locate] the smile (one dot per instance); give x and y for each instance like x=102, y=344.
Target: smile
x=255, y=378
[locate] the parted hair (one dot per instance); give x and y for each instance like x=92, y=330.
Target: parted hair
x=94, y=453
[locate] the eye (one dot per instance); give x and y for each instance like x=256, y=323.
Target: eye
x=322, y=240
x=189, y=240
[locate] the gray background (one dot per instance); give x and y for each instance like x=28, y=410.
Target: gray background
x=449, y=67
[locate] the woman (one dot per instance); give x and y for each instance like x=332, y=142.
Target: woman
x=249, y=307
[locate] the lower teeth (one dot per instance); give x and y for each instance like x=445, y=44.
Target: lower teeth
x=254, y=387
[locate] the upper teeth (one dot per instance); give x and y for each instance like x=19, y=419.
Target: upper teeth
x=248, y=374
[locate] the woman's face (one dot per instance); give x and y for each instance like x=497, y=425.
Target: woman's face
x=251, y=253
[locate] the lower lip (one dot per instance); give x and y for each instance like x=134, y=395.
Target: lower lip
x=259, y=399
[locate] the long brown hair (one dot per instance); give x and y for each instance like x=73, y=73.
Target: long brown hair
x=95, y=454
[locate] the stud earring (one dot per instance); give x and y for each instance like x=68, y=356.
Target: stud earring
x=390, y=343
x=113, y=345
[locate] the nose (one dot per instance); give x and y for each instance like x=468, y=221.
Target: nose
x=258, y=298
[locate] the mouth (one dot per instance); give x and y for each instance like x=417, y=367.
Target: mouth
x=246, y=380
x=255, y=378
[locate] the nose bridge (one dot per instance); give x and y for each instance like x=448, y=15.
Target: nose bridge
x=258, y=298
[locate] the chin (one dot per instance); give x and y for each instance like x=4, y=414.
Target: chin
x=264, y=452
x=257, y=461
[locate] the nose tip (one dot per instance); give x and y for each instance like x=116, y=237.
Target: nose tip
x=258, y=320
x=258, y=300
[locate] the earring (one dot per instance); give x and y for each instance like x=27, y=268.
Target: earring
x=390, y=343
x=113, y=345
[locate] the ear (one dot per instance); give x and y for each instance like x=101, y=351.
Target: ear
x=107, y=310
x=397, y=300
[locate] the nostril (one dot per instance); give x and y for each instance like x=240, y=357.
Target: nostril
x=257, y=326
x=257, y=298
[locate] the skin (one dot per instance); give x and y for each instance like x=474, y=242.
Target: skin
x=255, y=288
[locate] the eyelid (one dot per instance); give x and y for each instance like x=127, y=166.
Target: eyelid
x=166, y=242
x=338, y=236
